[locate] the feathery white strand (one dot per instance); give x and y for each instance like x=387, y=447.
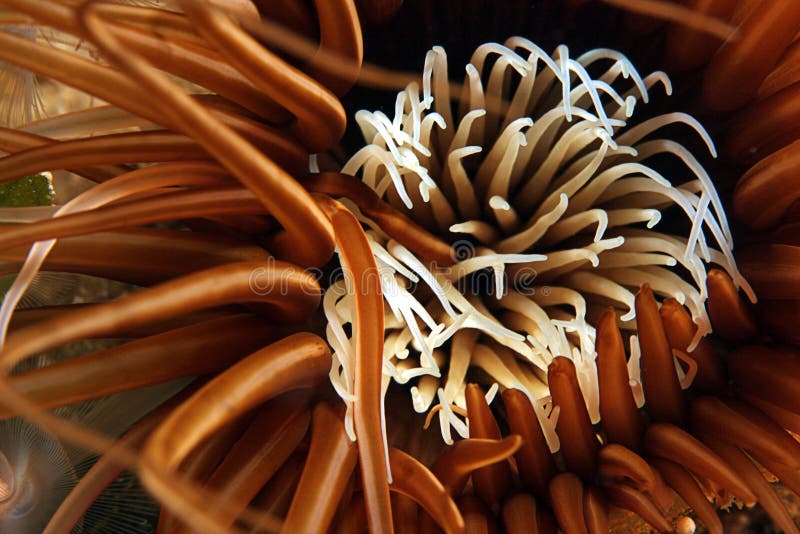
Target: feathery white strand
x=539, y=165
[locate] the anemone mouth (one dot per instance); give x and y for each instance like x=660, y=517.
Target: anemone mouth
x=539, y=178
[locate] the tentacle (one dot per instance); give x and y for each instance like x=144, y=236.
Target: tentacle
x=579, y=445
x=477, y=517
x=200, y=464
x=680, y=332
x=144, y=362
x=309, y=229
x=268, y=441
x=620, y=465
x=666, y=441
x=770, y=374
x=491, y=483
x=320, y=117
x=630, y=499
x=772, y=270
x=766, y=192
x=276, y=496
x=620, y=417
x=741, y=64
x=293, y=292
x=362, y=271
x=519, y=514
x=595, y=511
x=714, y=418
x=414, y=480
x=331, y=460
x=685, y=485
x=767, y=497
x=340, y=36
x=190, y=61
x=141, y=256
x=458, y=461
x=566, y=499
x=663, y=395
x=765, y=127
x=401, y=228
x=534, y=461
x=730, y=315
x=298, y=361
x=165, y=207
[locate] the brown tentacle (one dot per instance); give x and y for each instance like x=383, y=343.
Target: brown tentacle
x=663, y=440
x=477, y=517
x=519, y=514
x=353, y=519
x=771, y=374
x=296, y=16
x=340, y=35
x=785, y=418
x=595, y=511
x=320, y=117
x=741, y=64
x=566, y=499
x=768, y=189
x=272, y=436
x=86, y=75
x=713, y=417
x=458, y=461
x=685, y=485
x=196, y=63
x=167, y=23
x=164, y=207
x=686, y=47
x=767, y=497
x=12, y=141
x=768, y=426
x=359, y=263
x=414, y=480
x=662, y=390
x=680, y=330
x=26, y=317
x=330, y=463
x=765, y=126
x=293, y=292
x=405, y=514
x=779, y=319
x=294, y=362
x=620, y=417
x=772, y=269
x=391, y=221
x=276, y=496
x=153, y=360
x=786, y=73
x=616, y=464
x=141, y=256
x=101, y=150
x=491, y=483
x=298, y=361
x=201, y=463
x=579, y=445
x=637, y=502
x=310, y=242
x=534, y=461
x=730, y=315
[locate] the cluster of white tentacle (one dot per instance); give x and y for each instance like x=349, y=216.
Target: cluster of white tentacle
x=538, y=170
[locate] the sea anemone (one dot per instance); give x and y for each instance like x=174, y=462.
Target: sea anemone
x=499, y=235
